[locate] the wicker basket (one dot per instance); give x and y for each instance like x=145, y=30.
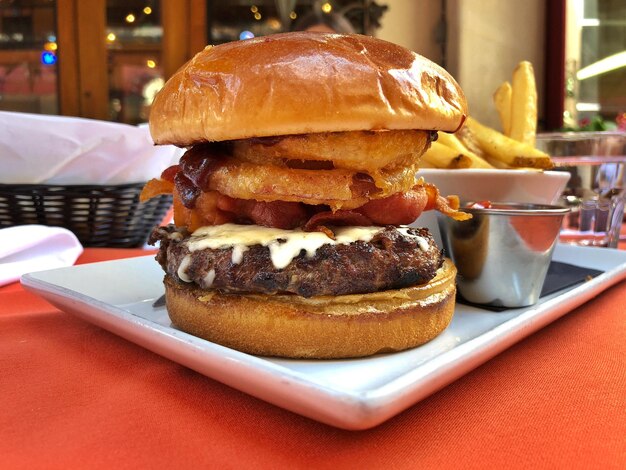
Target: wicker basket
x=110, y=216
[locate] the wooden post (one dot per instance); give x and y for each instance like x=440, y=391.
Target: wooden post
x=92, y=59
x=175, y=19
x=67, y=65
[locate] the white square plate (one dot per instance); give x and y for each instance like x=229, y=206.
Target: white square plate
x=351, y=394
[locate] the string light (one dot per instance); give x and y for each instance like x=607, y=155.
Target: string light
x=257, y=16
x=130, y=18
x=147, y=10
x=327, y=7
x=293, y=15
x=254, y=9
x=111, y=37
x=48, y=58
x=151, y=88
x=151, y=63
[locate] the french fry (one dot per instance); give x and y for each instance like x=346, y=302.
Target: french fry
x=478, y=146
x=497, y=163
x=524, y=104
x=464, y=134
x=507, y=150
x=460, y=161
x=440, y=156
x=443, y=156
x=452, y=141
x=502, y=100
x=478, y=162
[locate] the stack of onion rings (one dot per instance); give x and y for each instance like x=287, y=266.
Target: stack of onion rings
x=339, y=171
x=356, y=167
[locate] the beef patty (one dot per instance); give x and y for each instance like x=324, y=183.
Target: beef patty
x=390, y=260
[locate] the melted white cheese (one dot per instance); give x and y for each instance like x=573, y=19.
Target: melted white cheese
x=209, y=278
x=182, y=269
x=284, y=245
x=177, y=236
x=421, y=241
x=238, y=251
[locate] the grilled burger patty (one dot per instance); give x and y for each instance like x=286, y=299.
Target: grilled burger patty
x=390, y=260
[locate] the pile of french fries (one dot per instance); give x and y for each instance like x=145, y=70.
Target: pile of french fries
x=478, y=146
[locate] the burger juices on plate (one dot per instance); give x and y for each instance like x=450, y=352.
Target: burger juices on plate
x=292, y=201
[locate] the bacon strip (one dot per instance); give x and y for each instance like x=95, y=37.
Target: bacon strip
x=340, y=217
x=212, y=208
x=399, y=209
x=155, y=187
x=279, y=214
x=446, y=205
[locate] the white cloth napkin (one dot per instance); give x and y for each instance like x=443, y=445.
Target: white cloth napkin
x=42, y=149
x=29, y=248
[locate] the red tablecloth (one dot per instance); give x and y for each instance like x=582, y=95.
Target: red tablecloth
x=75, y=396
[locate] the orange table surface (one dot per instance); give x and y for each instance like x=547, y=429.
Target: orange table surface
x=73, y=395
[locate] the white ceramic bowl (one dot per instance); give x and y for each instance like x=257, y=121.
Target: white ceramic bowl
x=537, y=187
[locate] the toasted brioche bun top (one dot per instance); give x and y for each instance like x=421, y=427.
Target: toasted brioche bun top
x=300, y=83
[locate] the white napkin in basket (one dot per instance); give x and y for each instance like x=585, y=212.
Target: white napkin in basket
x=28, y=248
x=43, y=149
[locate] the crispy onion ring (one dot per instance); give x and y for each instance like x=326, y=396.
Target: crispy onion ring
x=338, y=188
x=367, y=151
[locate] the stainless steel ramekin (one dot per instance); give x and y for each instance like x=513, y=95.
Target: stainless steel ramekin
x=503, y=253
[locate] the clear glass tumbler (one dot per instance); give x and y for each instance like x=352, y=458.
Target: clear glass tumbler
x=596, y=191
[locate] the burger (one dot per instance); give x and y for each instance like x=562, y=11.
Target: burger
x=293, y=201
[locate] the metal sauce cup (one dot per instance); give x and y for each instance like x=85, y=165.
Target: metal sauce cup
x=503, y=253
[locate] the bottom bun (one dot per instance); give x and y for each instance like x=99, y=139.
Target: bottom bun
x=323, y=327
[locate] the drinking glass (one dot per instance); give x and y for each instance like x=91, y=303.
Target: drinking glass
x=596, y=191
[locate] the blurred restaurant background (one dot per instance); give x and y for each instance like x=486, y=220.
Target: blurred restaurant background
x=106, y=59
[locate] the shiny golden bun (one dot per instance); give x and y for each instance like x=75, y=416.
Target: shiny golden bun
x=323, y=327
x=300, y=83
